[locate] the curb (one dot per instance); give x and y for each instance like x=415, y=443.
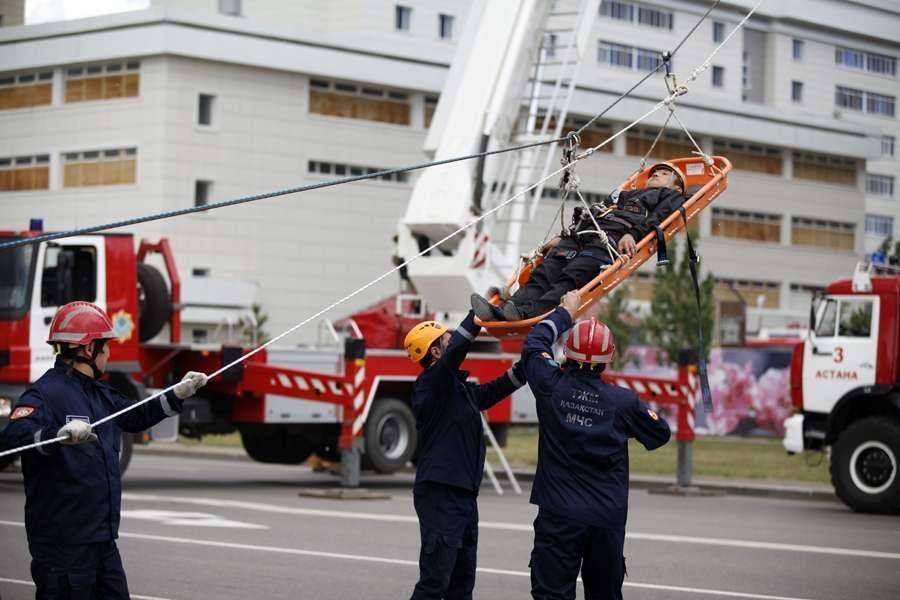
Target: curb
x=652, y=483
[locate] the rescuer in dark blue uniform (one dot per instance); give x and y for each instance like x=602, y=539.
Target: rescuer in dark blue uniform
x=451, y=455
x=581, y=484
x=73, y=491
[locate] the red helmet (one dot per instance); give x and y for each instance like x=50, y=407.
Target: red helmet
x=80, y=323
x=590, y=342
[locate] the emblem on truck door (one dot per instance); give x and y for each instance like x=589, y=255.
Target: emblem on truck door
x=123, y=326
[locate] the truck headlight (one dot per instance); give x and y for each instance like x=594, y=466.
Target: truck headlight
x=5, y=407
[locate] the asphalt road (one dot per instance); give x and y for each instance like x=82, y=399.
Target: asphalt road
x=196, y=528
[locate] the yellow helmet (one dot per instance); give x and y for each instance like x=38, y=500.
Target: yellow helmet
x=671, y=166
x=420, y=338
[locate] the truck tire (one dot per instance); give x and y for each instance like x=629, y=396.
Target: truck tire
x=864, y=466
x=391, y=436
x=270, y=444
x=153, y=300
x=126, y=447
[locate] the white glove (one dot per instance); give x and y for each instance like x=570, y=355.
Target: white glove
x=189, y=385
x=77, y=432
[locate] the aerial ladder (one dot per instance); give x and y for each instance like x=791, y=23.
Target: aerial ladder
x=510, y=84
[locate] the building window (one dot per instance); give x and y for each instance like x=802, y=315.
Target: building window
x=797, y=91
x=743, y=225
x=822, y=234
x=718, y=31
x=629, y=57
x=797, y=49
x=552, y=192
x=205, y=105
x=630, y=12
x=881, y=64
x=622, y=11
x=751, y=157
x=445, y=26
x=880, y=225
x=22, y=173
x=353, y=101
x=594, y=135
x=749, y=291
x=402, y=18
x=848, y=98
x=199, y=336
x=318, y=167
x=880, y=185
x=200, y=272
x=102, y=82
x=887, y=146
x=745, y=76
x=202, y=192
x=671, y=143
x=655, y=17
x=718, y=76
x=880, y=104
x=100, y=167
x=430, y=106
x=232, y=8
x=863, y=101
x=824, y=168
x=26, y=90
x=866, y=61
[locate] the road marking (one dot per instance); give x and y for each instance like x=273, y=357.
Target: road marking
x=31, y=583
x=502, y=526
x=412, y=563
x=191, y=519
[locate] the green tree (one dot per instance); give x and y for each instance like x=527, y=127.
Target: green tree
x=252, y=326
x=623, y=324
x=672, y=322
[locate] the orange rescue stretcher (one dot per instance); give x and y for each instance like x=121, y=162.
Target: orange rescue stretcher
x=704, y=184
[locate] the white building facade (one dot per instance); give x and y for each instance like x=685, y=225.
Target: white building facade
x=191, y=102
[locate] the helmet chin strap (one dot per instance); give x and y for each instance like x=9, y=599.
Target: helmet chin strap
x=74, y=354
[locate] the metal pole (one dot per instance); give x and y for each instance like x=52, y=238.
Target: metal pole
x=685, y=463
x=350, y=465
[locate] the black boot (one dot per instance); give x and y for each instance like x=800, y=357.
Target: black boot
x=484, y=310
x=511, y=312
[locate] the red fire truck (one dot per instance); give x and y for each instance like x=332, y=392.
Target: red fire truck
x=321, y=400
x=845, y=385
x=341, y=402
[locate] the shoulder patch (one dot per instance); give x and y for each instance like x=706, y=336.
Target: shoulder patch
x=653, y=415
x=549, y=358
x=21, y=412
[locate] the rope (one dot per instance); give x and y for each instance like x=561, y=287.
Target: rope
x=358, y=290
x=613, y=252
x=245, y=199
x=665, y=102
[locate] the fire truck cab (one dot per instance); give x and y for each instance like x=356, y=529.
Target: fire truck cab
x=845, y=387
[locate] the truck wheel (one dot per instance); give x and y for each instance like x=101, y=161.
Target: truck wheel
x=154, y=305
x=391, y=436
x=864, y=466
x=126, y=447
x=274, y=445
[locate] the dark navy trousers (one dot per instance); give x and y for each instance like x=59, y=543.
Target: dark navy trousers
x=563, y=548
x=448, y=524
x=78, y=572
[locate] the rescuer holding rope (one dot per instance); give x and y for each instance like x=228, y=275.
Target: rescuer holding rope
x=581, y=483
x=73, y=491
x=451, y=455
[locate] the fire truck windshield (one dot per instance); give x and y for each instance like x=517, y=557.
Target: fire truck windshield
x=16, y=273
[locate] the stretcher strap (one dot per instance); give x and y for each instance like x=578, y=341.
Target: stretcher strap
x=662, y=256
x=694, y=261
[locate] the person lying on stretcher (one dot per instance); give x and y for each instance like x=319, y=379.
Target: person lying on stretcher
x=576, y=257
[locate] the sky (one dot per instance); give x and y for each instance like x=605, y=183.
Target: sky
x=43, y=11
